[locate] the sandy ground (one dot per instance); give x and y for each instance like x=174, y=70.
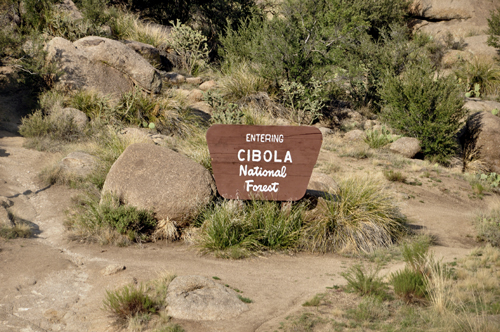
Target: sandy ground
x=48, y=283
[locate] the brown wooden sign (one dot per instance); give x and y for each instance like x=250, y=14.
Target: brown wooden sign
x=263, y=162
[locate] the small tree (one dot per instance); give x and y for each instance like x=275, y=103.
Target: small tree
x=428, y=108
x=494, y=29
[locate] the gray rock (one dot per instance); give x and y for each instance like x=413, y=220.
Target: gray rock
x=4, y=218
x=79, y=72
x=79, y=118
x=78, y=163
x=148, y=52
x=322, y=182
x=406, y=146
x=200, y=298
x=442, y=9
x=175, y=78
x=476, y=105
x=69, y=7
x=355, y=135
x=5, y=202
x=119, y=56
x=153, y=177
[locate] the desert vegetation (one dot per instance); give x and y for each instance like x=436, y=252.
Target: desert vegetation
x=339, y=65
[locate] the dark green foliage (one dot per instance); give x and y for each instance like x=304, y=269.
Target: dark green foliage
x=429, y=109
x=224, y=112
x=245, y=299
x=409, y=285
x=494, y=29
x=94, y=11
x=36, y=14
x=128, y=302
x=355, y=40
x=365, y=282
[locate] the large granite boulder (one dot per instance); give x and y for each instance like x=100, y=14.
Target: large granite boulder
x=153, y=177
x=79, y=72
x=200, y=298
x=482, y=133
x=406, y=146
x=149, y=52
x=123, y=58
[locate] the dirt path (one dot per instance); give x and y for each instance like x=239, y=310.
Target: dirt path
x=50, y=284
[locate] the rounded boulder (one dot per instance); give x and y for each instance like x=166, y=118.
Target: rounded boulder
x=152, y=177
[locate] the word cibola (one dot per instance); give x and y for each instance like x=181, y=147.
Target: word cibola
x=266, y=156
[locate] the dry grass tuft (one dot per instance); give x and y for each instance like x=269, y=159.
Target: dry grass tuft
x=166, y=229
x=359, y=216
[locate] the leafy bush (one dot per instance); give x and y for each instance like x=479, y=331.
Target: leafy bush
x=488, y=227
x=241, y=80
x=129, y=301
x=191, y=45
x=409, y=285
x=223, y=112
x=305, y=102
x=359, y=216
x=365, y=282
x=429, y=109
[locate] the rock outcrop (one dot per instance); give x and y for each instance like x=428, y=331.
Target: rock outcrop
x=200, y=298
x=119, y=56
x=81, y=73
x=482, y=134
x=152, y=177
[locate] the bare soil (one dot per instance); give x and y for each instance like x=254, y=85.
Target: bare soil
x=48, y=283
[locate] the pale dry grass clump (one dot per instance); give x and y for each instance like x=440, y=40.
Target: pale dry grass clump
x=166, y=229
x=242, y=81
x=130, y=26
x=359, y=216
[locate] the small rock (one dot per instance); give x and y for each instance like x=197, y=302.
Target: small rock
x=194, y=80
x=406, y=146
x=208, y=85
x=200, y=298
x=112, y=269
x=326, y=131
x=355, y=135
x=4, y=217
x=322, y=182
x=79, y=163
x=175, y=78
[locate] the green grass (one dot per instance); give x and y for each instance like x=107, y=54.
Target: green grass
x=19, y=230
x=315, y=301
x=410, y=285
x=237, y=229
x=488, y=227
x=365, y=282
x=394, y=176
x=377, y=139
x=359, y=216
x=129, y=301
x=244, y=299
x=108, y=222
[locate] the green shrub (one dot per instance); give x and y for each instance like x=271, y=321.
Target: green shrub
x=94, y=220
x=129, y=301
x=488, y=227
x=365, y=282
x=94, y=105
x=304, y=102
x=223, y=112
x=394, y=176
x=359, y=216
x=244, y=299
x=415, y=255
x=191, y=45
x=429, y=109
x=494, y=29
x=377, y=139
x=241, y=80
x=481, y=76
x=409, y=284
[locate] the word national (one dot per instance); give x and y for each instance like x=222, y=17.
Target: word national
x=258, y=171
